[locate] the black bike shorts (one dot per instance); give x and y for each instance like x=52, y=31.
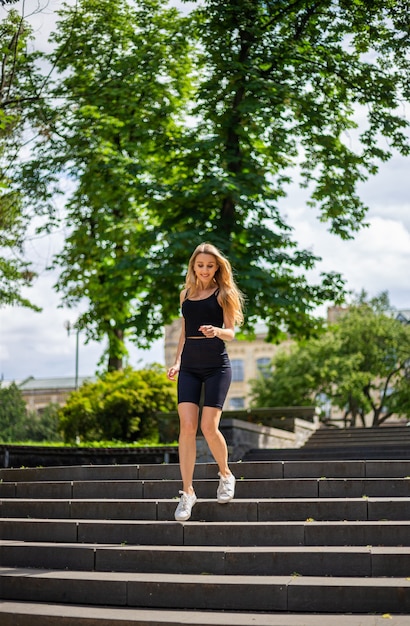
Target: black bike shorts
x=204, y=362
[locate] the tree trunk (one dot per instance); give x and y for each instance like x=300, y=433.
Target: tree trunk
x=116, y=350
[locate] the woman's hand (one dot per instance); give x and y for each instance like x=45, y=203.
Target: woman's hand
x=173, y=371
x=210, y=331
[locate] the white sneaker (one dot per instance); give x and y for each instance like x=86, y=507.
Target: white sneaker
x=226, y=488
x=184, y=508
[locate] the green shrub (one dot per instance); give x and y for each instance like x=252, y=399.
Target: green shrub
x=121, y=405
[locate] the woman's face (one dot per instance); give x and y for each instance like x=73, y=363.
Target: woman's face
x=205, y=268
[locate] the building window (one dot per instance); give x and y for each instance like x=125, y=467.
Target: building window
x=237, y=370
x=264, y=366
x=237, y=403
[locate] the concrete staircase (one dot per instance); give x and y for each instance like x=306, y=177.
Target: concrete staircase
x=392, y=442
x=304, y=543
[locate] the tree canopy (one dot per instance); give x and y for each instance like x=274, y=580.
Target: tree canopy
x=13, y=414
x=177, y=129
x=18, y=95
x=124, y=73
x=361, y=366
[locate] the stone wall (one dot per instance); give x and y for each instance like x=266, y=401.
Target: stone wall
x=242, y=436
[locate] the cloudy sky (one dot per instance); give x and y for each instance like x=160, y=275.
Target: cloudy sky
x=378, y=259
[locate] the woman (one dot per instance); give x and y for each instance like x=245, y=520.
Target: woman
x=211, y=305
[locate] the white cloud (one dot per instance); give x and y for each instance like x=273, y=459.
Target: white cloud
x=37, y=344
x=377, y=260
x=388, y=193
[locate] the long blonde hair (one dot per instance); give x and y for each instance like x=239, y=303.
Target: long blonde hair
x=229, y=297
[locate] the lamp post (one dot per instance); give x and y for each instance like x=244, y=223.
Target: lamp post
x=68, y=326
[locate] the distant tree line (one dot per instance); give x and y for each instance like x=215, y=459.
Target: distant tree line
x=119, y=406
x=19, y=424
x=360, y=366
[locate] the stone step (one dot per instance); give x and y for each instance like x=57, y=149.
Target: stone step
x=338, y=436
x=341, y=561
x=240, y=510
x=245, y=488
x=222, y=593
x=351, y=438
x=285, y=467
x=44, y=614
x=197, y=533
x=323, y=453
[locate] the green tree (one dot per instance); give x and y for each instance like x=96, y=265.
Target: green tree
x=361, y=365
x=178, y=130
x=13, y=414
x=44, y=426
x=124, y=74
x=278, y=91
x=122, y=405
x=18, y=98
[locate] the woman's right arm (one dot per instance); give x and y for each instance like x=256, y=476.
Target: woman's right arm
x=174, y=369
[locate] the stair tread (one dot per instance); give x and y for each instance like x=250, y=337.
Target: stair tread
x=265, y=480
x=260, y=469
x=207, y=549
x=212, y=524
x=236, y=502
x=207, y=579
x=167, y=617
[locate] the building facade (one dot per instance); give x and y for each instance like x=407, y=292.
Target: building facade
x=39, y=393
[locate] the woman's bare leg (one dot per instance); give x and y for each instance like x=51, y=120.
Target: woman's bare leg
x=188, y=419
x=215, y=439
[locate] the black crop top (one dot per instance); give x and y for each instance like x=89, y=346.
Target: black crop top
x=199, y=312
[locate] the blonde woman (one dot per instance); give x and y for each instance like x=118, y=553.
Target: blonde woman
x=211, y=306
